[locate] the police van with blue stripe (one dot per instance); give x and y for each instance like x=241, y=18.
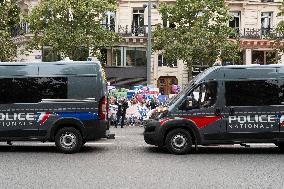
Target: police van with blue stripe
x=61, y=102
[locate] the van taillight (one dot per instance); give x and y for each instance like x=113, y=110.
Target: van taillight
x=103, y=108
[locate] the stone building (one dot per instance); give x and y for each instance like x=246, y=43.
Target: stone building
x=254, y=21
x=126, y=63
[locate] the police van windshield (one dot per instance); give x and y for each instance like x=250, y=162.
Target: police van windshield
x=191, y=83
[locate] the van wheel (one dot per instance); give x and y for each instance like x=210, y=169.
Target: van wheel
x=68, y=140
x=179, y=141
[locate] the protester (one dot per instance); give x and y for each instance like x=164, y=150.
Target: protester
x=132, y=111
x=122, y=105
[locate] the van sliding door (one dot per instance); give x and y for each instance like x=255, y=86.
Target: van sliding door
x=252, y=110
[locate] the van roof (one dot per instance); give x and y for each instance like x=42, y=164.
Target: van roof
x=254, y=66
x=243, y=72
x=49, y=63
x=9, y=69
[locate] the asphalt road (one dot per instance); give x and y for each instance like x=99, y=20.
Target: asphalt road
x=128, y=162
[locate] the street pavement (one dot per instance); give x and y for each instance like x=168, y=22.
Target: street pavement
x=128, y=162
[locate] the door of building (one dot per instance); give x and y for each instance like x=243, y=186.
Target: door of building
x=165, y=84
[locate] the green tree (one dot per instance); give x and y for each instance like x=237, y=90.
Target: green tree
x=69, y=26
x=9, y=18
x=279, y=35
x=200, y=32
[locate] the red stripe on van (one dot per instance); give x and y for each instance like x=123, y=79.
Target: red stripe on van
x=203, y=121
x=165, y=120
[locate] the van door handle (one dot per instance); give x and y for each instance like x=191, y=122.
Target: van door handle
x=217, y=111
x=231, y=111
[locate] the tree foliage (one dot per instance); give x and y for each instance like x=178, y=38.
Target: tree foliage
x=69, y=26
x=200, y=34
x=9, y=18
x=278, y=46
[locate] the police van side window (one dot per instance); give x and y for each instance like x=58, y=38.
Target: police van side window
x=252, y=93
x=87, y=84
x=52, y=87
x=32, y=90
x=25, y=90
x=203, y=96
x=6, y=92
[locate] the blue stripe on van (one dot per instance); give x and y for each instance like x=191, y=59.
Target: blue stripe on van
x=79, y=115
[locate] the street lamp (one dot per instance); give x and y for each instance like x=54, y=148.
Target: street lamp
x=149, y=40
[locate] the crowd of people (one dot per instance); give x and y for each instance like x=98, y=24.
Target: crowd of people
x=132, y=111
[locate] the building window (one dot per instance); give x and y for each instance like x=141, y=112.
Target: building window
x=266, y=22
x=235, y=21
x=138, y=22
x=136, y=56
x=116, y=56
x=20, y=29
x=258, y=57
x=163, y=62
x=125, y=56
x=109, y=21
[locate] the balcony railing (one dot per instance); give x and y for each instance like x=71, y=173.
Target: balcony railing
x=124, y=31
x=255, y=33
x=128, y=30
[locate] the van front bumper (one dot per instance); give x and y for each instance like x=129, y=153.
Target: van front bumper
x=153, y=134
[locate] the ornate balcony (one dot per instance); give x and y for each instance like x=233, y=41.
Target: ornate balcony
x=124, y=31
x=128, y=30
x=255, y=33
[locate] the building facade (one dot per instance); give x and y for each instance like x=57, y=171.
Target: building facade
x=254, y=21
x=131, y=22
x=126, y=63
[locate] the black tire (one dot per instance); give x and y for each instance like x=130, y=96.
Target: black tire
x=68, y=140
x=179, y=141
